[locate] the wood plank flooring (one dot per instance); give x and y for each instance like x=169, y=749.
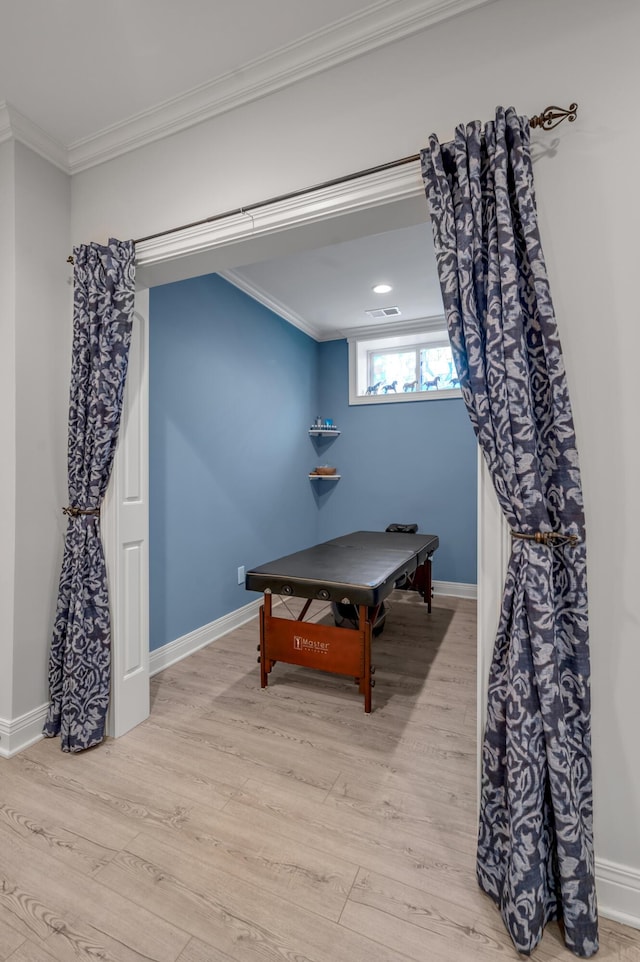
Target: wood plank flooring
x=285, y=825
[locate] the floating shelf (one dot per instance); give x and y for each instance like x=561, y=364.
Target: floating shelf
x=323, y=432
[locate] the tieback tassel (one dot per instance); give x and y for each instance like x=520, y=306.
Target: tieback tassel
x=552, y=538
x=76, y=512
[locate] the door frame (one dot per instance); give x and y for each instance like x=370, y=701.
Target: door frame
x=204, y=249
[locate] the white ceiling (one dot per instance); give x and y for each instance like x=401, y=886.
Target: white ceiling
x=85, y=80
x=77, y=67
x=82, y=81
x=327, y=291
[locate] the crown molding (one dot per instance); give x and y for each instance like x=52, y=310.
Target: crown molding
x=417, y=325
x=270, y=302
x=5, y=122
x=14, y=125
x=375, y=26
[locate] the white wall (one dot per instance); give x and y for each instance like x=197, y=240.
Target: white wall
x=7, y=425
x=43, y=355
x=384, y=105
x=35, y=326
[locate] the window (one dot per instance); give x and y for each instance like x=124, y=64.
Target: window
x=412, y=363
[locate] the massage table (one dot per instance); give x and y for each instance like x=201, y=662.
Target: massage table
x=359, y=569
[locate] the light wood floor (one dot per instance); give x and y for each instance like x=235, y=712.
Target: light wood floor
x=278, y=826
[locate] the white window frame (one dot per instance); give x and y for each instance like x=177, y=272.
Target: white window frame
x=420, y=333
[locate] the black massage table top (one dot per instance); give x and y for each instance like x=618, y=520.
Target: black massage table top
x=361, y=568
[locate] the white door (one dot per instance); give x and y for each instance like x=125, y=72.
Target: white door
x=125, y=531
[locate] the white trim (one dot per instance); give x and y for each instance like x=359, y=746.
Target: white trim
x=415, y=333
x=402, y=396
x=384, y=187
x=6, y=133
x=268, y=301
x=376, y=26
x=16, y=125
x=16, y=734
x=455, y=589
x=417, y=325
x=618, y=888
x=186, y=645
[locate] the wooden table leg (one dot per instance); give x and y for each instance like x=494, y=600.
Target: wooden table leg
x=265, y=612
x=366, y=681
x=428, y=591
x=421, y=581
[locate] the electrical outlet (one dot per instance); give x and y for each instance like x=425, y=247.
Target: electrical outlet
x=241, y=575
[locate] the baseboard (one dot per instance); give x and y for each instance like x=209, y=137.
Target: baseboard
x=176, y=650
x=455, y=589
x=17, y=734
x=184, y=646
x=618, y=888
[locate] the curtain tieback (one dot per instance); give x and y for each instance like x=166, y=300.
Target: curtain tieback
x=553, y=538
x=75, y=512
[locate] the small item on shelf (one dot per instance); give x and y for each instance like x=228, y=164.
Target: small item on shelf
x=324, y=469
x=325, y=426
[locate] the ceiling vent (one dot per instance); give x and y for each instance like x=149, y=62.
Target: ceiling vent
x=384, y=312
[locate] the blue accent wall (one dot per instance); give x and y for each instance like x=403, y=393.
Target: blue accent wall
x=412, y=461
x=233, y=390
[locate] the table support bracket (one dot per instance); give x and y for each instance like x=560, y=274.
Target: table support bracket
x=340, y=651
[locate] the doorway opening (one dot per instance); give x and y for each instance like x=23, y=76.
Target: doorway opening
x=374, y=203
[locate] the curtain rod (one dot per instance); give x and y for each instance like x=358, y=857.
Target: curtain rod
x=547, y=120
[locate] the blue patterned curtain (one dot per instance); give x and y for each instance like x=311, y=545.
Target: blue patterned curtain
x=535, y=843
x=80, y=658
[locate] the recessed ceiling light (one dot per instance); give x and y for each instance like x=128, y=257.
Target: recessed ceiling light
x=382, y=288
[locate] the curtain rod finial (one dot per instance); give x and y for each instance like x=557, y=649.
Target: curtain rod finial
x=552, y=116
